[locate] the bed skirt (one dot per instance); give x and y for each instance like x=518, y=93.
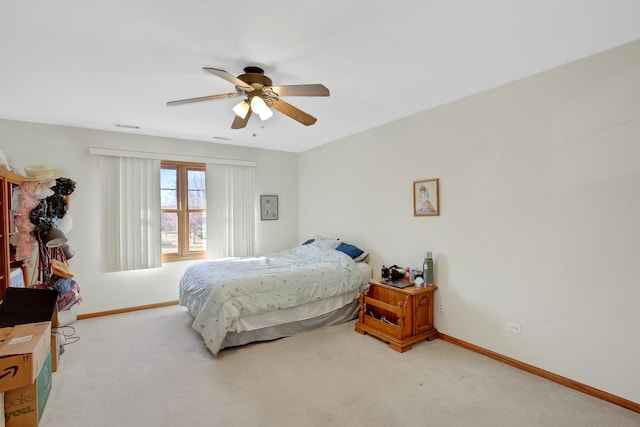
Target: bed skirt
x=335, y=317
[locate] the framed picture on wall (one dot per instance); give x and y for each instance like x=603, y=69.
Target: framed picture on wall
x=426, y=197
x=268, y=207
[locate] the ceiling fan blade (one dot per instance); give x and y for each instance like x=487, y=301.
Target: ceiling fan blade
x=301, y=90
x=239, y=122
x=204, y=98
x=229, y=77
x=293, y=112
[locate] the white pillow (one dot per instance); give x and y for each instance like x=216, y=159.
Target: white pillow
x=324, y=242
x=362, y=258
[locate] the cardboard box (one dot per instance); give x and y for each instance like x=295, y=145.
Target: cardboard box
x=32, y=305
x=23, y=407
x=55, y=352
x=23, y=350
x=55, y=341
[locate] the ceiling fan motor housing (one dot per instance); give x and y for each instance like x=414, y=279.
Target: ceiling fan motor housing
x=255, y=76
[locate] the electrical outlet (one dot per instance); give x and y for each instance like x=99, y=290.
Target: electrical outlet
x=441, y=306
x=513, y=327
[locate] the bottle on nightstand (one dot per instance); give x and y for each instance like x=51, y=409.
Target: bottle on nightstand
x=427, y=269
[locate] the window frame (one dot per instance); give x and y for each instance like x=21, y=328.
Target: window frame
x=182, y=210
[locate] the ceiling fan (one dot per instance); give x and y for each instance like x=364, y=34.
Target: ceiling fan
x=261, y=96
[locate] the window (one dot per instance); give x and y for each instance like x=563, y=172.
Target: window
x=157, y=207
x=183, y=210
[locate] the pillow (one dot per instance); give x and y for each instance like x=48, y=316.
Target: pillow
x=324, y=242
x=363, y=257
x=353, y=251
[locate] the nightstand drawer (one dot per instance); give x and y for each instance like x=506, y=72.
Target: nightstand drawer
x=388, y=318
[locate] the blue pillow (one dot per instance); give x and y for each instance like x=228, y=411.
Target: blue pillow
x=351, y=250
x=309, y=241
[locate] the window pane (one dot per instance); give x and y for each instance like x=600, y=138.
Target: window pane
x=169, y=199
x=197, y=231
x=168, y=188
x=169, y=228
x=197, y=187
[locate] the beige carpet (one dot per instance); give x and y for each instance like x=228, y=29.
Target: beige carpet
x=149, y=368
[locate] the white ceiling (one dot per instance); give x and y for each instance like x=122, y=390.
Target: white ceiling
x=97, y=64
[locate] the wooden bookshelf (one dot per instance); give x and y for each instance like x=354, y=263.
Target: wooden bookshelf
x=9, y=182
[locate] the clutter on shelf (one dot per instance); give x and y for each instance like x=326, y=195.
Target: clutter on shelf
x=43, y=224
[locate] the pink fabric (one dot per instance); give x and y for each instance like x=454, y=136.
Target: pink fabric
x=27, y=202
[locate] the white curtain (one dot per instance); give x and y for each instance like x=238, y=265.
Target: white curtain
x=230, y=211
x=131, y=205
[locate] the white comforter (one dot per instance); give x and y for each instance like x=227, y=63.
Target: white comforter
x=220, y=291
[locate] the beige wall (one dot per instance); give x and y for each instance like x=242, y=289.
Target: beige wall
x=540, y=202
x=68, y=149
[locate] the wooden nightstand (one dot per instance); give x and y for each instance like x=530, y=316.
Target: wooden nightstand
x=398, y=316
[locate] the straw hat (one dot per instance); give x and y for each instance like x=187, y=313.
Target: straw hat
x=61, y=269
x=42, y=173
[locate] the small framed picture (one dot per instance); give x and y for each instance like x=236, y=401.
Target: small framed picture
x=426, y=197
x=268, y=207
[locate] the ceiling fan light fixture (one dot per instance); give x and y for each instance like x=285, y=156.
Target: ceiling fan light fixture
x=266, y=114
x=260, y=107
x=241, y=109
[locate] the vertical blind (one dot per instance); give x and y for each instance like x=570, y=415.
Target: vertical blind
x=230, y=210
x=131, y=231
x=131, y=209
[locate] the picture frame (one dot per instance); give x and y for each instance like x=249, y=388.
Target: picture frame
x=268, y=207
x=426, y=197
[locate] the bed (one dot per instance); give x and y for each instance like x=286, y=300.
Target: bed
x=235, y=301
